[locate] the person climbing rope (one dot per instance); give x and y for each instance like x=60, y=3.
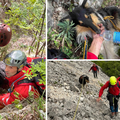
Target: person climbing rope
x=94, y=69
x=113, y=94
x=16, y=61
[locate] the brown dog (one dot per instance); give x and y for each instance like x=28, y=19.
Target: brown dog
x=86, y=21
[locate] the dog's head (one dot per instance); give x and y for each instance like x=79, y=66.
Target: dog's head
x=85, y=78
x=86, y=17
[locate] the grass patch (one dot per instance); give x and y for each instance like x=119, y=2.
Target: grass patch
x=100, y=84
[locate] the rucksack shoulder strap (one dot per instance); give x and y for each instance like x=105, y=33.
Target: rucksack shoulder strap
x=38, y=60
x=117, y=85
x=35, y=61
x=25, y=81
x=109, y=85
x=33, y=82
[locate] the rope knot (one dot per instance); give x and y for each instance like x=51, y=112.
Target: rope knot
x=110, y=19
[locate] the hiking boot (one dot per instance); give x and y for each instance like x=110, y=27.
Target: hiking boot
x=112, y=114
x=116, y=113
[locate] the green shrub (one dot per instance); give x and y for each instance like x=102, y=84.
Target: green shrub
x=28, y=18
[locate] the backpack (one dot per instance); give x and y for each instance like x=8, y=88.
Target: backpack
x=35, y=79
x=110, y=95
x=4, y=83
x=118, y=78
x=117, y=85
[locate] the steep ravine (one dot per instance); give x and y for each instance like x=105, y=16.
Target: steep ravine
x=64, y=91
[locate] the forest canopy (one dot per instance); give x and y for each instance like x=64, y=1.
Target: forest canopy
x=27, y=19
x=111, y=68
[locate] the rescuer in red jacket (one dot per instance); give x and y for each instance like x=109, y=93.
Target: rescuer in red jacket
x=15, y=63
x=94, y=69
x=113, y=94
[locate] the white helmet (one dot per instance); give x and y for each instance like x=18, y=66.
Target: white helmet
x=15, y=58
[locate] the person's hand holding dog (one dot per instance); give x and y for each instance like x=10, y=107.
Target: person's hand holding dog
x=97, y=42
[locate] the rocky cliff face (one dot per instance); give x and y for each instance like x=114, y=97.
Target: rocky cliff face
x=64, y=91
x=57, y=9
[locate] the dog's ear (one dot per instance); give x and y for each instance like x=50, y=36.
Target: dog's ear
x=84, y=4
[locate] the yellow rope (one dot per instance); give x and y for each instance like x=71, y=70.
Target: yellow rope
x=84, y=50
x=78, y=102
x=110, y=18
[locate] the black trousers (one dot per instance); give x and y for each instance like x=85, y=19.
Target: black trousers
x=113, y=102
x=95, y=74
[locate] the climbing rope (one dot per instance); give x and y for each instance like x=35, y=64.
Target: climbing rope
x=78, y=101
x=110, y=19
x=85, y=49
x=86, y=42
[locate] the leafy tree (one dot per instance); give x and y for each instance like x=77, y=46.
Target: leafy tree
x=39, y=68
x=111, y=68
x=28, y=17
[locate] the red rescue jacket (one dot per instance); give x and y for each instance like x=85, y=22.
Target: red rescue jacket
x=22, y=89
x=114, y=90
x=118, y=79
x=94, y=68
x=91, y=56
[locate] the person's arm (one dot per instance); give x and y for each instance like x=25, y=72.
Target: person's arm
x=96, y=43
x=101, y=90
x=97, y=68
x=91, y=55
x=103, y=87
x=91, y=68
x=96, y=46
x=98, y=99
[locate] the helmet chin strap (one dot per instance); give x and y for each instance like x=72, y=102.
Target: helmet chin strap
x=17, y=70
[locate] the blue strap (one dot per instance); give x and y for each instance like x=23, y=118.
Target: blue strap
x=12, y=85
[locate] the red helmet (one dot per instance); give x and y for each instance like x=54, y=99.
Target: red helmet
x=5, y=34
